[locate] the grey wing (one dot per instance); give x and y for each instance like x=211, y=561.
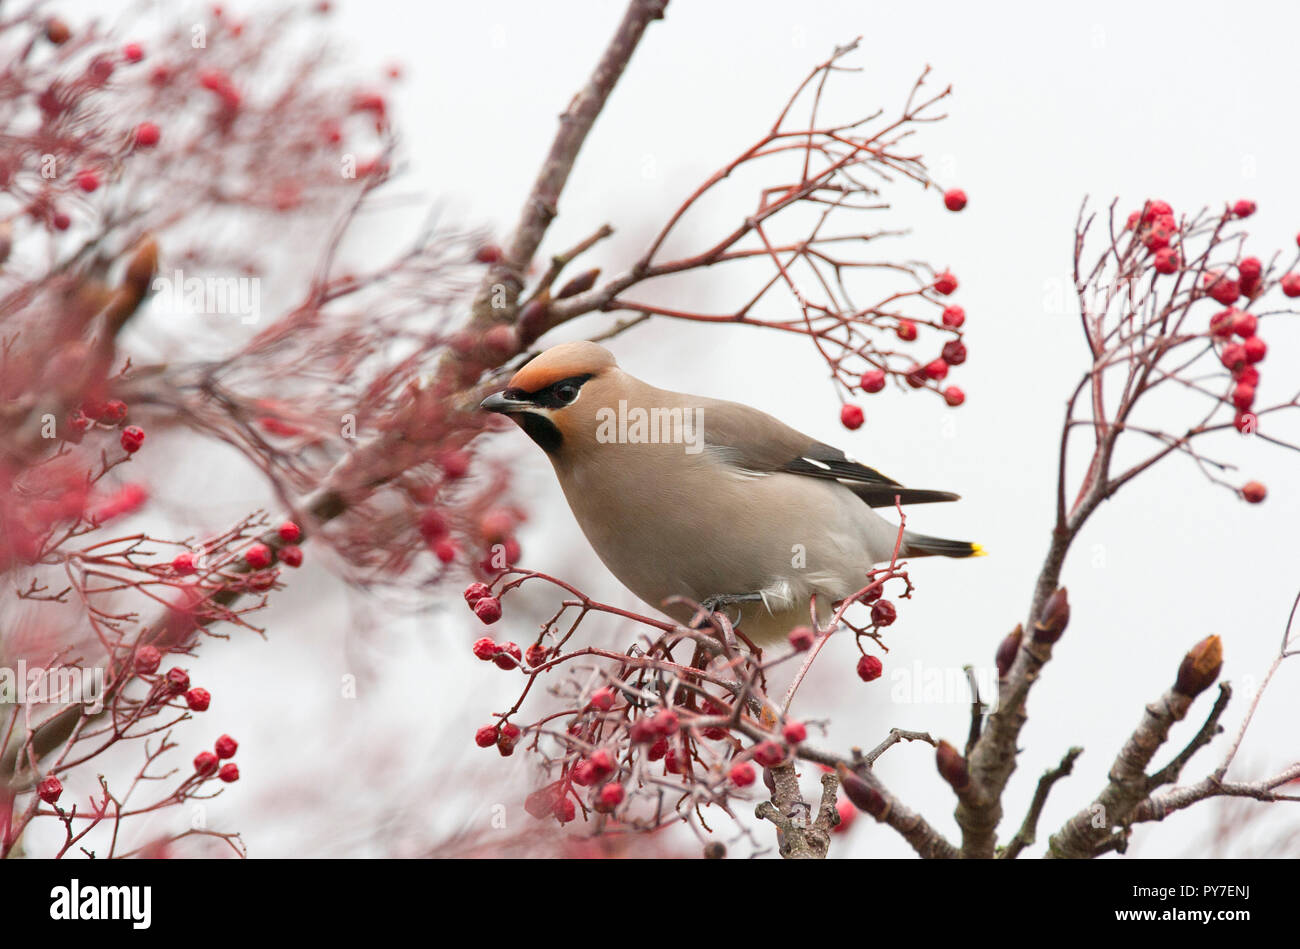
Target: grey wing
x=755, y=441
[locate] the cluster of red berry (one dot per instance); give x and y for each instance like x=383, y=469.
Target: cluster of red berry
x=936, y=370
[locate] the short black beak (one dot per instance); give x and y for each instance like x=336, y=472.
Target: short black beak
x=497, y=402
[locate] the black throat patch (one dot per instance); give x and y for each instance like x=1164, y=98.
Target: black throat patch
x=541, y=430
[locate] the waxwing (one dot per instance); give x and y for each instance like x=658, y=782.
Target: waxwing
x=682, y=495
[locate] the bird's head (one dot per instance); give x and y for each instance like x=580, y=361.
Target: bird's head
x=554, y=398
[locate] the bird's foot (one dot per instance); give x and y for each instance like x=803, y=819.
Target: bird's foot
x=713, y=604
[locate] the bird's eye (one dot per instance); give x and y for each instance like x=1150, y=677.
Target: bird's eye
x=566, y=392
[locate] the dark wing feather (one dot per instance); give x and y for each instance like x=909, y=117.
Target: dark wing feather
x=755, y=441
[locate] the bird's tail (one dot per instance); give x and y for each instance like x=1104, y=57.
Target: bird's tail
x=922, y=545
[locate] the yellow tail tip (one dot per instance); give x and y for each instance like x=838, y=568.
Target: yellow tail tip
x=977, y=550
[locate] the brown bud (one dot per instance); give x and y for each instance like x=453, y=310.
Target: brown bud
x=579, y=284
x=57, y=32
x=140, y=270
x=715, y=850
x=1053, y=619
x=952, y=767
x=532, y=321
x=1007, y=650
x=861, y=794
x=1200, y=667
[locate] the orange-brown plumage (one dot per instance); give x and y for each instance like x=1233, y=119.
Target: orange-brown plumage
x=562, y=362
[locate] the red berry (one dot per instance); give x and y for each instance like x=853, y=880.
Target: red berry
x=290, y=532
x=509, y=656
x=1159, y=236
x=147, y=134
x=802, y=638
x=1246, y=374
x=184, y=564
x=49, y=789
x=873, y=380
x=1245, y=324
x=906, y=330
x=883, y=613
x=258, y=556
x=916, y=377
x=1223, y=322
x=1254, y=492
x=954, y=396
x=1243, y=396
x=602, y=764
x=1244, y=208
x=87, y=180
x=1156, y=209
x=673, y=763
x=742, y=774
x=658, y=749
x=851, y=416
x=61, y=221
x=198, y=699
x=1291, y=283
x=954, y=199
x=665, y=722
x=454, y=464
x=146, y=660
x=953, y=316
x=496, y=525
x=602, y=699
x=848, y=814
x=486, y=649
x=226, y=747
x=1167, y=260
x=768, y=753
x=1255, y=349
x=794, y=732
x=1245, y=422
x=945, y=283
x=432, y=525
x=133, y=52
x=488, y=254
x=205, y=763
x=488, y=609
x=486, y=736
x=1225, y=290
x=446, y=550
x=936, y=369
x=535, y=655
x=954, y=352
x=1249, y=269
x=870, y=668
x=132, y=438
x=476, y=591
x=178, y=681
x=291, y=555
x=611, y=795
x=229, y=773
x=1234, y=354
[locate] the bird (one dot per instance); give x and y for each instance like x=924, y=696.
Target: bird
x=683, y=496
